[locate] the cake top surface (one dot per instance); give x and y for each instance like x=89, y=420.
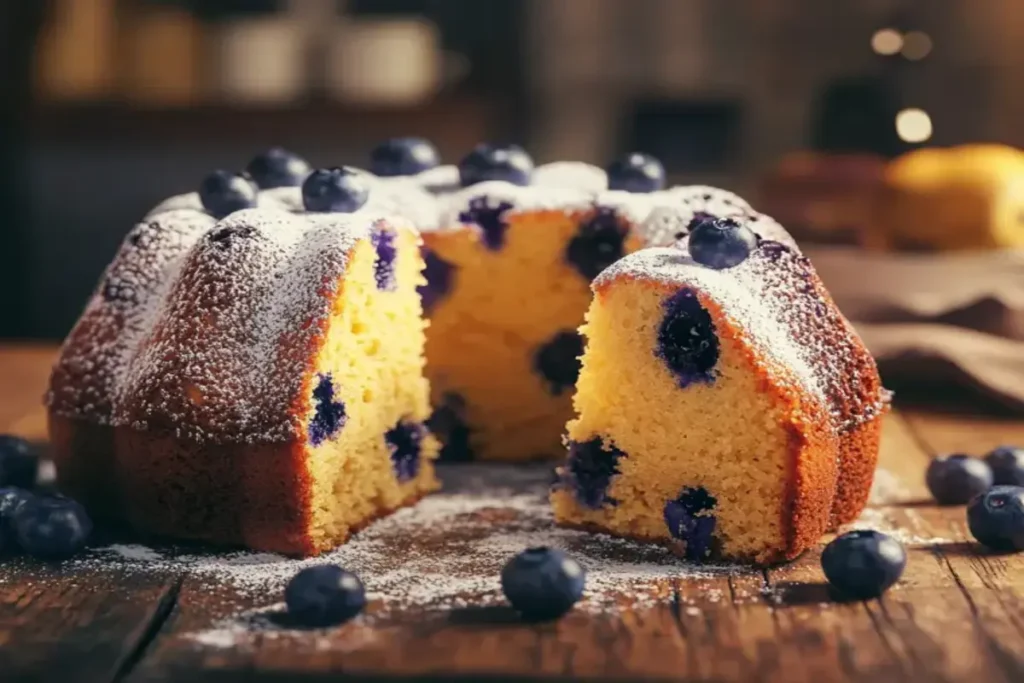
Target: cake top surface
x=204, y=327
x=777, y=299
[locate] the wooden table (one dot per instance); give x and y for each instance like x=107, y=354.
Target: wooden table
x=957, y=615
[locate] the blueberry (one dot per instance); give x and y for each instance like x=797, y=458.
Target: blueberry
x=590, y=467
x=278, y=167
x=863, y=564
x=558, y=361
x=325, y=595
x=687, y=341
x=636, y=173
x=51, y=528
x=403, y=156
x=329, y=415
x=404, y=442
x=996, y=518
x=384, y=266
x=11, y=501
x=223, y=192
x=721, y=242
x=490, y=220
x=439, y=274
x=335, y=189
x=1007, y=463
x=955, y=479
x=598, y=243
x=19, y=464
x=687, y=520
x=542, y=583
x=496, y=162
x=448, y=423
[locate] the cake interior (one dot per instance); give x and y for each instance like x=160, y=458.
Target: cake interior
x=368, y=451
x=502, y=343
x=716, y=447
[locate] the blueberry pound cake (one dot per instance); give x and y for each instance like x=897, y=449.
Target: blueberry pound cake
x=249, y=370
x=508, y=283
x=724, y=404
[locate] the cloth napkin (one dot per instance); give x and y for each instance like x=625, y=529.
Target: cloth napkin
x=935, y=319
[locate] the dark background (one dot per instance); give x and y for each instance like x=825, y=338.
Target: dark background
x=718, y=89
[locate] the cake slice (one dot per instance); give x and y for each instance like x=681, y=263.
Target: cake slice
x=254, y=379
x=724, y=404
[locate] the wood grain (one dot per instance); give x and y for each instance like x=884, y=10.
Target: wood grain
x=957, y=615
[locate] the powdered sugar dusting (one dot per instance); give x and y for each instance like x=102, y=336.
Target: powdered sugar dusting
x=448, y=550
x=774, y=296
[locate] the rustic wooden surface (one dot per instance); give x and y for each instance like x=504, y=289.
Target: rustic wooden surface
x=957, y=615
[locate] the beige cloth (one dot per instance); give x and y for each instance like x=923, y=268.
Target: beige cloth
x=956, y=319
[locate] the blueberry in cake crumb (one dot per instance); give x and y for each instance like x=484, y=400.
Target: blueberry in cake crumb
x=223, y=192
x=448, y=424
x=1007, y=463
x=636, y=172
x=996, y=518
x=338, y=189
x=325, y=595
x=688, y=521
x=277, y=167
x=403, y=156
x=509, y=163
x=558, y=361
x=490, y=220
x=19, y=463
x=863, y=564
x=590, y=467
x=955, y=479
x=51, y=528
x=405, y=441
x=438, y=274
x=721, y=242
x=686, y=339
x=542, y=583
x=384, y=267
x=328, y=415
x=597, y=244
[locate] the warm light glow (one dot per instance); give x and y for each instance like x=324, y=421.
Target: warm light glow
x=887, y=41
x=916, y=45
x=913, y=125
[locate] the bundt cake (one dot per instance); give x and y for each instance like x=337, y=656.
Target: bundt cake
x=251, y=372
x=508, y=275
x=724, y=404
x=948, y=199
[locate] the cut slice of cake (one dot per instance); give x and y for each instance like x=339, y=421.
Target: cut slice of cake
x=253, y=380
x=724, y=404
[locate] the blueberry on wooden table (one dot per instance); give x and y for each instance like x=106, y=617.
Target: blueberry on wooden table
x=324, y=595
x=863, y=564
x=956, y=479
x=542, y=583
x=19, y=463
x=1007, y=463
x=51, y=528
x=996, y=518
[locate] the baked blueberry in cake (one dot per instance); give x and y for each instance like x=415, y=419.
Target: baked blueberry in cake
x=746, y=409
x=250, y=368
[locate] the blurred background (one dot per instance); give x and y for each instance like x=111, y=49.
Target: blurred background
x=108, y=106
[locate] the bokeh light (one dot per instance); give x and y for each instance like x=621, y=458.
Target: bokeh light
x=913, y=125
